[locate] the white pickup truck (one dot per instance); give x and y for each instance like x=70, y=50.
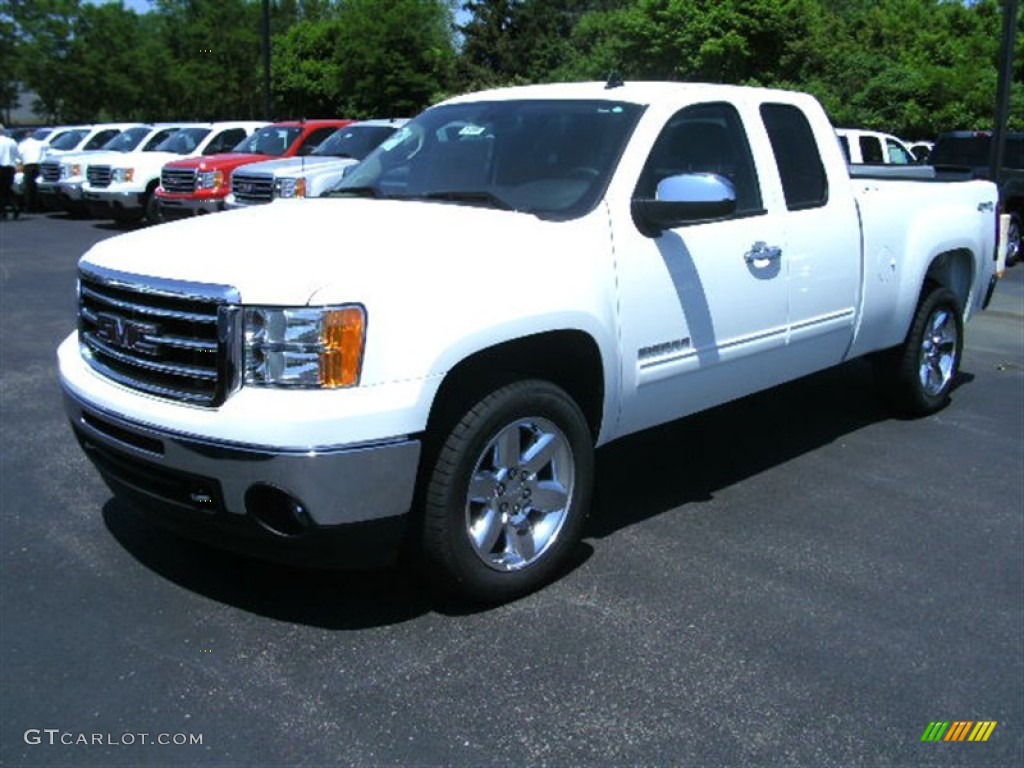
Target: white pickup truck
x=122, y=188
x=305, y=176
x=424, y=362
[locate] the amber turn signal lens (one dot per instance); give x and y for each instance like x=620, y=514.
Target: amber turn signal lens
x=341, y=358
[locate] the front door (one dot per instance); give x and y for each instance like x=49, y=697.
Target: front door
x=703, y=307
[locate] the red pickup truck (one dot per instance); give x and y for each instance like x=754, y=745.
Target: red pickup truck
x=199, y=184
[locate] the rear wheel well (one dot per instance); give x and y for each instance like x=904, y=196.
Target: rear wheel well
x=952, y=270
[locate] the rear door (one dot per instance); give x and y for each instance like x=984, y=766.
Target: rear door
x=822, y=239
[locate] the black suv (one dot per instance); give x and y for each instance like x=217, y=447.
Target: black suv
x=968, y=152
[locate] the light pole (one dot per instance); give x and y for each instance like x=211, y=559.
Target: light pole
x=267, y=108
x=1002, y=115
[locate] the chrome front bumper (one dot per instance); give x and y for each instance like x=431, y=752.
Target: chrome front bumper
x=335, y=486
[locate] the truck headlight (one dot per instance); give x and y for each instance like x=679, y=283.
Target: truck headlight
x=307, y=347
x=123, y=174
x=290, y=187
x=210, y=180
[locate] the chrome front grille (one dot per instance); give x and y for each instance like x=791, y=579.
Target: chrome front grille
x=167, y=338
x=98, y=175
x=178, y=179
x=252, y=188
x=49, y=171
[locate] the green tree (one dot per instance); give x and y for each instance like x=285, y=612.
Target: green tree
x=215, y=48
x=307, y=73
x=516, y=41
x=101, y=80
x=913, y=67
x=10, y=66
x=396, y=56
x=44, y=29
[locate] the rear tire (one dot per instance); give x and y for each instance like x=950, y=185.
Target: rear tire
x=508, y=494
x=920, y=373
x=1013, y=254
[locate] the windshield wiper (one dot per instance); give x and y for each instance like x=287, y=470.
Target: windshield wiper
x=470, y=196
x=366, y=191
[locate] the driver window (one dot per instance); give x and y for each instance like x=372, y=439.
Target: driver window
x=706, y=138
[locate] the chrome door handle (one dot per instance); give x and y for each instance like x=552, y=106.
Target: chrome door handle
x=761, y=251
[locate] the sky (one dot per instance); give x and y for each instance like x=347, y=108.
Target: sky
x=139, y=6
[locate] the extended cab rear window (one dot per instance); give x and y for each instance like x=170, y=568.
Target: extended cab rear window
x=797, y=156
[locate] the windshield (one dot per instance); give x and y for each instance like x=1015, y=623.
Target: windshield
x=271, y=140
x=158, y=138
x=550, y=158
x=184, y=142
x=128, y=140
x=69, y=139
x=356, y=141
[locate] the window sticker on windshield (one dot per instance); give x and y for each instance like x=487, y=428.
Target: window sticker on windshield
x=396, y=138
x=472, y=130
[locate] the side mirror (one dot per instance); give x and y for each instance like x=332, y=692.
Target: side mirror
x=685, y=199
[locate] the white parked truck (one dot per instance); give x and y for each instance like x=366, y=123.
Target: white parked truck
x=73, y=166
x=426, y=360
x=288, y=178
x=74, y=142
x=874, y=148
x=123, y=188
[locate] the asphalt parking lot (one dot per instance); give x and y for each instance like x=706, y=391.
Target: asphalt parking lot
x=794, y=579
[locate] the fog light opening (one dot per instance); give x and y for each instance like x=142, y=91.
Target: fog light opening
x=277, y=511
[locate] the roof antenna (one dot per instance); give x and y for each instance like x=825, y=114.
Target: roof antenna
x=614, y=81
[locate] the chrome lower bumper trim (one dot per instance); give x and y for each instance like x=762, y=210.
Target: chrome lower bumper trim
x=337, y=485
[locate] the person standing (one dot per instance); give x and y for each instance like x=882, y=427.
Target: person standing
x=9, y=159
x=31, y=150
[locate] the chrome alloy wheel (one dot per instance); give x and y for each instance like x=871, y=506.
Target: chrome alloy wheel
x=520, y=494
x=938, y=351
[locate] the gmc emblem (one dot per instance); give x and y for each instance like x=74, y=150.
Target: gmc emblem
x=126, y=334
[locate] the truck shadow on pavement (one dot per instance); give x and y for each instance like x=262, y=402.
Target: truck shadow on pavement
x=317, y=597
x=638, y=477
x=687, y=461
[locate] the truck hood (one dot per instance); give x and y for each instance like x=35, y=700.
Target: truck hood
x=352, y=250
x=79, y=154
x=297, y=166
x=151, y=160
x=224, y=162
x=122, y=159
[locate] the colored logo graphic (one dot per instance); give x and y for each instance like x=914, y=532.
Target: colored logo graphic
x=959, y=730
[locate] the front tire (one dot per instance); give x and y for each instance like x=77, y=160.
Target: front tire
x=151, y=208
x=924, y=367
x=508, y=493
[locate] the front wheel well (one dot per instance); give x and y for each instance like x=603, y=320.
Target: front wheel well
x=569, y=359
